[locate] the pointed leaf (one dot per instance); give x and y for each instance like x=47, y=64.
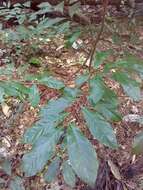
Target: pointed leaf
x=50, y=116
x=108, y=113
x=132, y=91
x=81, y=79
x=97, y=91
x=34, y=96
x=35, y=160
x=71, y=92
x=137, y=147
x=100, y=129
x=130, y=86
x=82, y=156
x=100, y=58
x=52, y=82
x=68, y=174
x=50, y=175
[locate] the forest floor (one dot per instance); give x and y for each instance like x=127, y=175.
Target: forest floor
x=16, y=117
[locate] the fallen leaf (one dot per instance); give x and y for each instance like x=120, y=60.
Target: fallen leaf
x=5, y=109
x=114, y=170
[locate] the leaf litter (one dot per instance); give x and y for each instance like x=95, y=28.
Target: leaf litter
x=116, y=170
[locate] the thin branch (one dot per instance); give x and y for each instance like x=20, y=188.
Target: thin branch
x=90, y=57
x=92, y=52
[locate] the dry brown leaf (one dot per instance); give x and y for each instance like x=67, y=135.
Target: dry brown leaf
x=114, y=170
x=5, y=109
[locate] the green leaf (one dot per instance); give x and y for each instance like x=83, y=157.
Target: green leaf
x=35, y=61
x=109, y=113
x=55, y=107
x=47, y=23
x=16, y=184
x=72, y=38
x=14, y=88
x=139, y=70
x=7, y=70
x=130, y=86
x=52, y=82
x=50, y=116
x=2, y=93
x=96, y=90
x=81, y=79
x=6, y=166
x=71, y=92
x=110, y=98
x=42, y=151
x=43, y=127
x=100, y=58
x=50, y=175
x=132, y=91
x=68, y=174
x=82, y=156
x=32, y=134
x=137, y=147
x=47, y=80
x=34, y=96
x=100, y=128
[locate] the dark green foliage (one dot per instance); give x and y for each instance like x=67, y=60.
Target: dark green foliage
x=58, y=145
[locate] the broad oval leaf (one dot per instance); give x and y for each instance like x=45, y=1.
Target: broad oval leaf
x=82, y=156
x=35, y=160
x=68, y=174
x=100, y=128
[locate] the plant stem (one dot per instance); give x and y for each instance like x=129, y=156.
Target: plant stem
x=91, y=55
